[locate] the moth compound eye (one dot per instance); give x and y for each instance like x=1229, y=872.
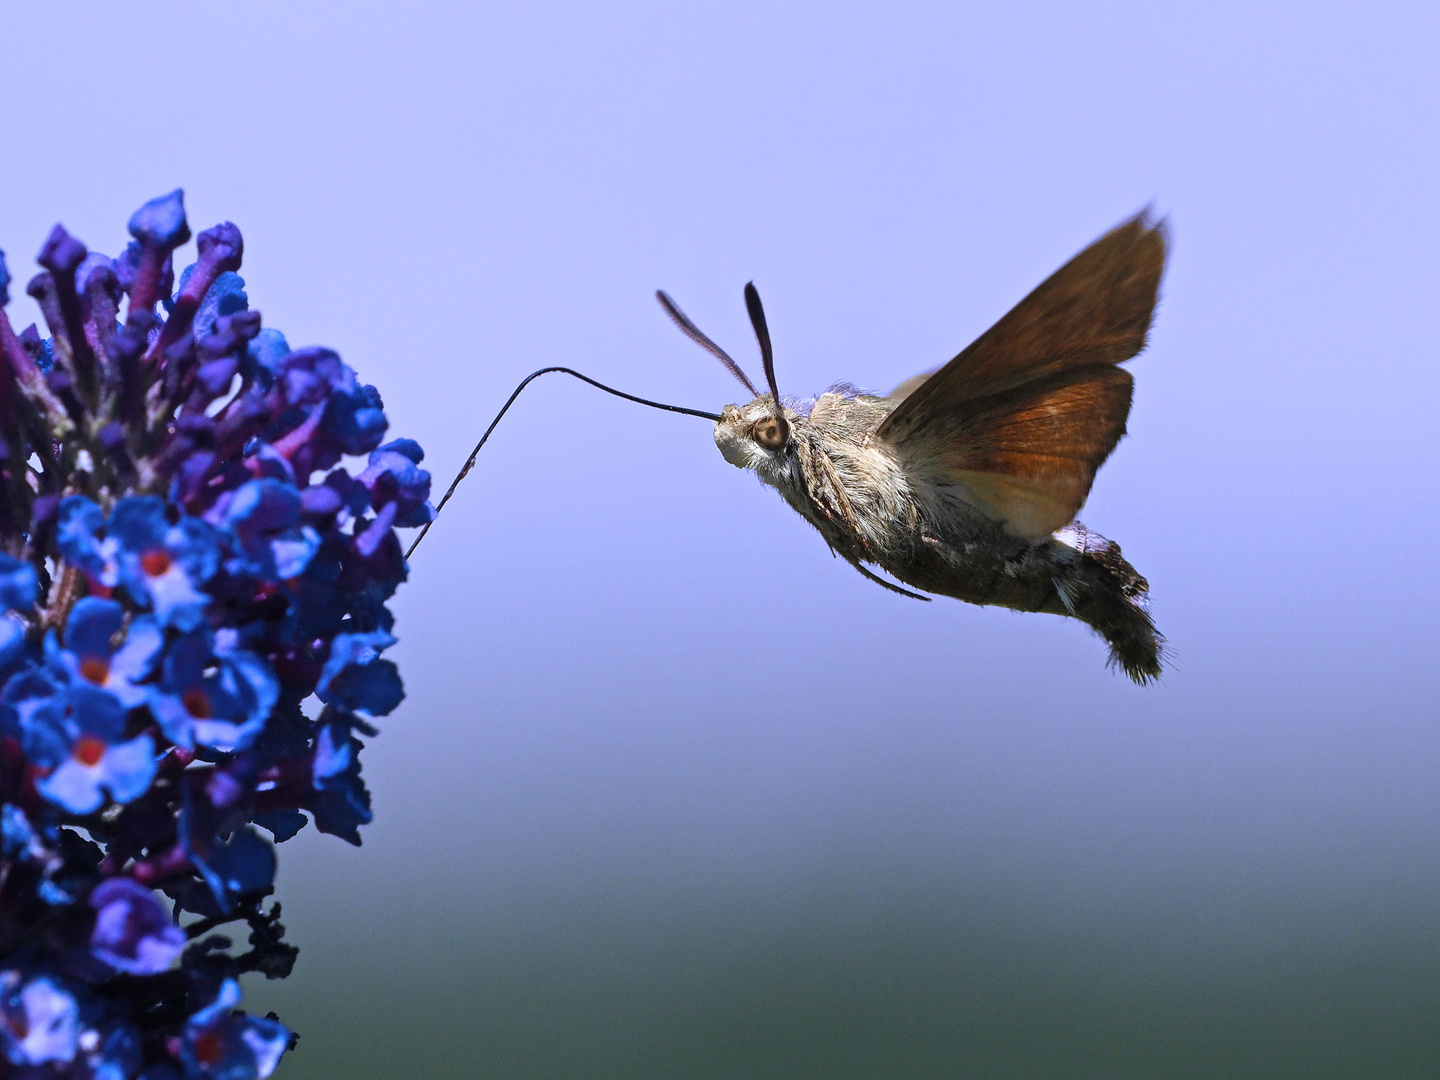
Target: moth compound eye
x=771, y=432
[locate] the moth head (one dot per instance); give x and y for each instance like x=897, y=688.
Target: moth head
x=757, y=435
x=754, y=436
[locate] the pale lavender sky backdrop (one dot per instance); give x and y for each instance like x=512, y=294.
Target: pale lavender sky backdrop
x=638, y=684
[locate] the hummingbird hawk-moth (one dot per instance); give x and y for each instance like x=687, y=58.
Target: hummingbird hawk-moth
x=965, y=481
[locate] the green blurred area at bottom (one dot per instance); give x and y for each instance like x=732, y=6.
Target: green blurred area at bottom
x=920, y=991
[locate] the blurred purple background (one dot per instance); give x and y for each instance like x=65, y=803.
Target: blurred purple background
x=674, y=793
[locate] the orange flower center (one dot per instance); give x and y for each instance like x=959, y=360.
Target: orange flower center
x=95, y=669
x=209, y=1049
x=197, y=703
x=155, y=562
x=89, y=750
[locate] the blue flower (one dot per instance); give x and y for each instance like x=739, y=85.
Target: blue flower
x=76, y=534
x=264, y=516
x=39, y=1020
x=228, y=1045
x=18, y=839
x=393, y=475
x=18, y=587
x=225, y=297
x=355, y=678
x=217, y=701
x=133, y=932
x=76, y=732
x=263, y=356
x=163, y=565
x=341, y=803
x=243, y=864
x=91, y=655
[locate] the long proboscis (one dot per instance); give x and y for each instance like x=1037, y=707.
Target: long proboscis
x=470, y=461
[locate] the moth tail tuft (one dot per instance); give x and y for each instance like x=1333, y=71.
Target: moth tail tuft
x=1137, y=649
x=1115, y=606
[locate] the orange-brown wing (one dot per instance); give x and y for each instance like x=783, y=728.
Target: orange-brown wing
x=1018, y=424
x=1026, y=458
x=1095, y=309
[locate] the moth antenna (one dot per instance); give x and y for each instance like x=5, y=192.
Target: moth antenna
x=470, y=461
x=762, y=334
x=690, y=330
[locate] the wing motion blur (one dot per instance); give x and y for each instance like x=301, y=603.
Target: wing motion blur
x=1018, y=424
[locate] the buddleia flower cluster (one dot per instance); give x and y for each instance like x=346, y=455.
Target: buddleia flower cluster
x=194, y=590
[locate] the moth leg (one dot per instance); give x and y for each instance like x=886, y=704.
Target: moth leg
x=881, y=581
x=1063, y=591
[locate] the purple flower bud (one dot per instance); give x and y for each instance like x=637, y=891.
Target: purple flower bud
x=221, y=247
x=392, y=478
x=160, y=227
x=220, y=251
x=161, y=221
x=59, y=300
x=112, y=438
x=320, y=501
x=214, y=378
x=62, y=253
x=369, y=541
x=94, y=264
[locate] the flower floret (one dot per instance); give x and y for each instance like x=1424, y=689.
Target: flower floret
x=269, y=540
x=393, y=475
x=354, y=677
x=221, y=1042
x=77, y=733
x=163, y=565
x=96, y=653
x=204, y=699
x=18, y=586
x=77, y=535
x=39, y=1020
x=133, y=932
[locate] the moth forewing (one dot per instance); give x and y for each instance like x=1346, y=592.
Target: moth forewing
x=1096, y=309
